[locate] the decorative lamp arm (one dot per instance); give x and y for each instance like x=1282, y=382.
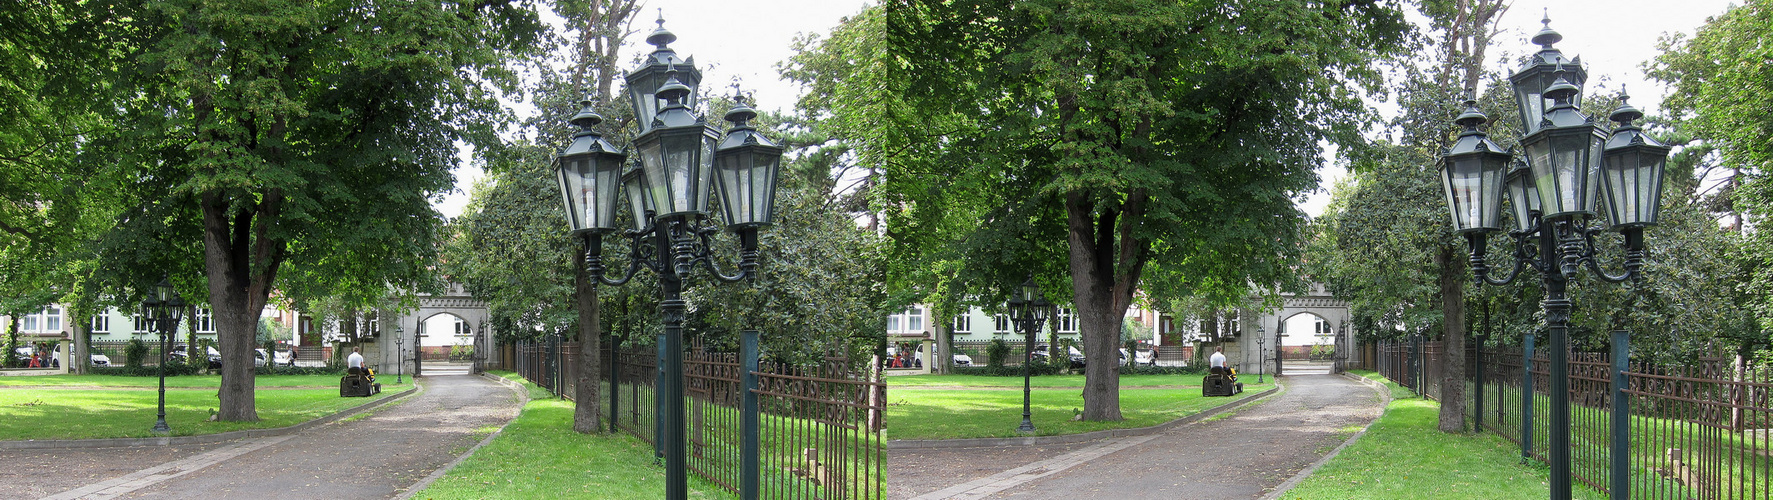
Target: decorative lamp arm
x=594, y=262
x=1480, y=267
x=747, y=255
x=1634, y=256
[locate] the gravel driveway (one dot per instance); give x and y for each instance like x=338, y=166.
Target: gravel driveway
x=373, y=456
x=1240, y=456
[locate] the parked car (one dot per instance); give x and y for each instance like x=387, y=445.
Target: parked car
x=1038, y=354
x=1077, y=357
x=181, y=353
x=54, y=359
x=963, y=360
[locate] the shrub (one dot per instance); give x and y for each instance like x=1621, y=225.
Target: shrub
x=997, y=353
x=1035, y=368
x=134, y=353
x=461, y=352
x=1161, y=370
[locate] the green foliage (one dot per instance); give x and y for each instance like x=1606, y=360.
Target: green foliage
x=1721, y=88
x=461, y=352
x=1090, y=142
x=1035, y=368
x=996, y=353
x=134, y=353
x=173, y=369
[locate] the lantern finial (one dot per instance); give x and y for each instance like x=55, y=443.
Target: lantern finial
x=586, y=119
x=740, y=115
x=661, y=36
x=1472, y=118
x=1546, y=35
x=1625, y=114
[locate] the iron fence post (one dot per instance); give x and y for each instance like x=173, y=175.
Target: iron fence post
x=750, y=470
x=1477, y=359
x=1527, y=399
x=615, y=381
x=1620, y=479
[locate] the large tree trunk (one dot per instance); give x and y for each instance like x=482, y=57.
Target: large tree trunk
x=79, y=362
x=1452, y=281
x=241, y=263
x=1105, y=266
x=585, y=402
x=942, y=357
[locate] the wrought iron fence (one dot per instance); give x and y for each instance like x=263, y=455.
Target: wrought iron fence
x=819, y=427
x=1699, y=431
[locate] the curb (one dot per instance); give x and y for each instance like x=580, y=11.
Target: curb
x=1384, y=401
x=203, y=439
x=523, y=399
x=912, y=444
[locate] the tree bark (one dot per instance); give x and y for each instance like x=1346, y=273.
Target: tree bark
x=240, y=261
x=585, y=388
x=1452, y=281
x=1105, y=266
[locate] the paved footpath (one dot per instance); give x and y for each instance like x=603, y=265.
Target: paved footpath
x=374, y=456
x=1240, y=456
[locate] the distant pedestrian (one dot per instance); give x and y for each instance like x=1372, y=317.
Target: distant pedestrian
x=36, y=362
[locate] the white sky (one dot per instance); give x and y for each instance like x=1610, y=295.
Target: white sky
x=1614, y=37
x=728, y=39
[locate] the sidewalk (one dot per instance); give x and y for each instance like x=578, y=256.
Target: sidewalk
x=373, y=456
x=1241, y=456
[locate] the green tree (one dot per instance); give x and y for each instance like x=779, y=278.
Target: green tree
x=304, y=141
x=1144, y=144
x=1721, y=88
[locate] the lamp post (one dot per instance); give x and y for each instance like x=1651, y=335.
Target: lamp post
x=1261, y=354
x=400, y=354
x=164, y=308
x=683, y=162
x=1571, y=164
x=1029, y=309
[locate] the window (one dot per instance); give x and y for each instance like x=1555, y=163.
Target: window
x=49, y=320
x=101, y=322
x=204, y=322
x=1003, y=324
x=1067, y=320
x=1321, y=326
x=909, y=321
x=374, y=327
x=963, y=323
x=142, y=325
x=462, y=329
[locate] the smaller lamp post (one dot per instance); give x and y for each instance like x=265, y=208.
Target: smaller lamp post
x=1261, y=355
x=400, y=354
x=1029, y=309
x=164, y=308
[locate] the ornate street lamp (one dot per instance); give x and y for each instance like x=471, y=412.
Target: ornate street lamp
x=683, y=161
x=163, y=308
x=1261, y=354
x=400, y=354
x=1029, y=309
x=1571, y=166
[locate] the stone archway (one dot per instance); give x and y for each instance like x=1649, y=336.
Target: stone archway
x=454, y=301
x=1316, y=301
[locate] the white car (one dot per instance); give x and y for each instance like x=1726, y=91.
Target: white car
x=963, y=360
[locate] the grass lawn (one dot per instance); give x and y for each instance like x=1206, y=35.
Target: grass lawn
x=992, y=406
x=1405, y=456
x=92, y=407
x=896, y=382
x=539, y=456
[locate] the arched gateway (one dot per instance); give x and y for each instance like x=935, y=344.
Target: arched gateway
x=453, y=301
x=1315, y=301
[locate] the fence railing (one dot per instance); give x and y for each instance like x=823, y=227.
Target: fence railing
x=1700, y=431
x=814, y=431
